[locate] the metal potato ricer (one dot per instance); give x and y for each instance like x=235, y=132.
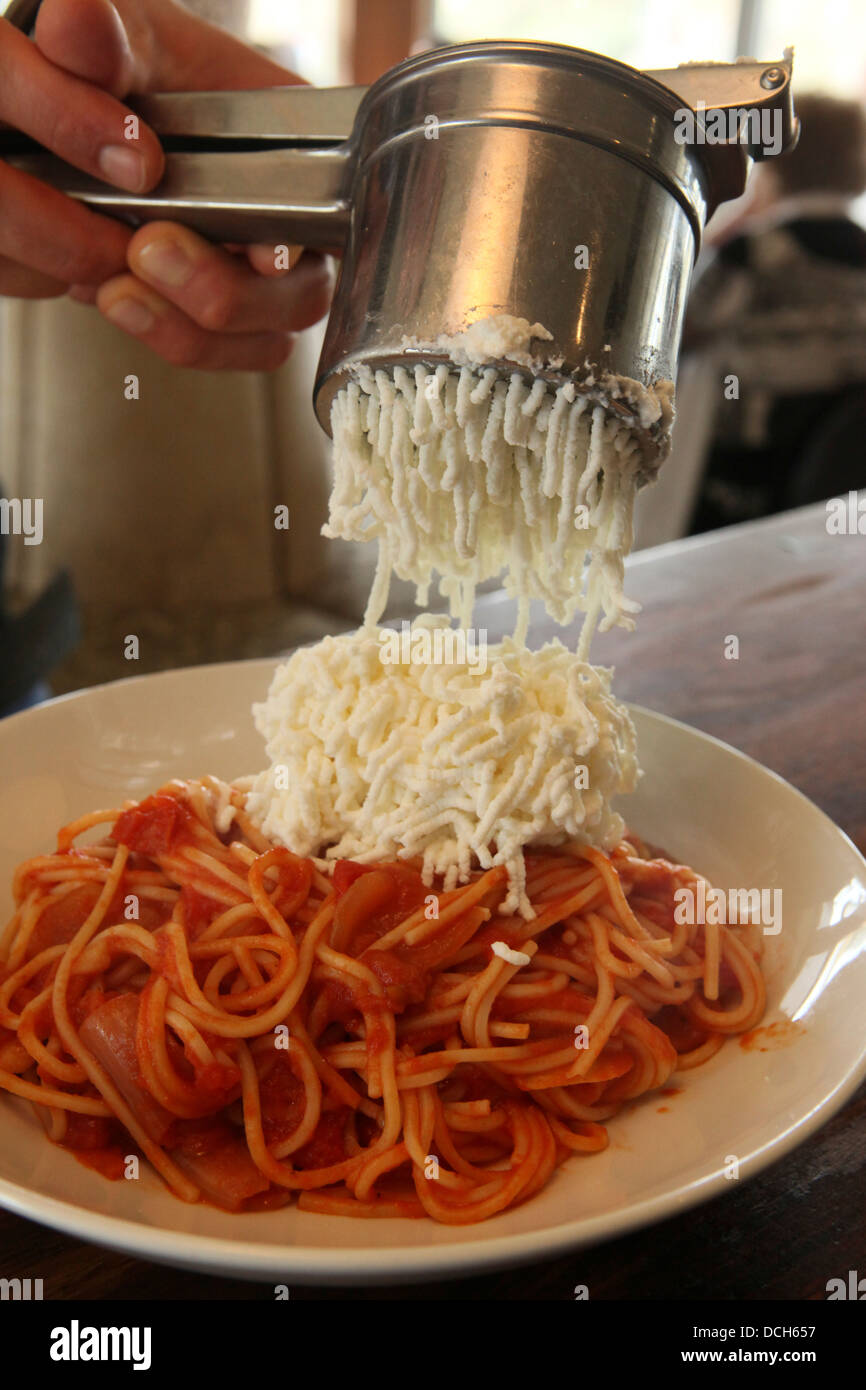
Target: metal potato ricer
x=527, y=179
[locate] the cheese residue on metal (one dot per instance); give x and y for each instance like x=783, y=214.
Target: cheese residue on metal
x=462, y=767
x=489, y=340
x=468, y=473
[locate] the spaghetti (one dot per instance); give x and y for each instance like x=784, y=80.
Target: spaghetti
x=183, y=990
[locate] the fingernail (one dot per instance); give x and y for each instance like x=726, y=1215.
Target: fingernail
x=132, y=315
x=123, y=166
x=166, y=261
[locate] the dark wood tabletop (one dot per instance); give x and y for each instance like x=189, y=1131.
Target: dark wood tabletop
x=795, y=699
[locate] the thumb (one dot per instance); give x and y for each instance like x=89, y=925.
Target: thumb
x=126, y=47
x=187, y=54
x=89, y=39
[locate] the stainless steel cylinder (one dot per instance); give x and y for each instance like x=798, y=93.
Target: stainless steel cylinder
x=526, y=179
x=523, y=179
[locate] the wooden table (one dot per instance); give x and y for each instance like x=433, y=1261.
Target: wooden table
x=795, y=700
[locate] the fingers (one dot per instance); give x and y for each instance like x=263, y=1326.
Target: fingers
x=56, y=235
x=87, y=38
x=71, y=117
x=221, y=292
x=191, y=55
x=199, y=305
x=20, y=282
x=83, y=294
x=265, y=260
x=146, y=315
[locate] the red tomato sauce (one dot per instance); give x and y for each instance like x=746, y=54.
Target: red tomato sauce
x=683, y=1033
x=98, y=1143
x=771, y=1036
x=159, y=824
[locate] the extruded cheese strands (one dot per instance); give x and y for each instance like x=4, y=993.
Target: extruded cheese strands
x=466, y=473
x=375, y=760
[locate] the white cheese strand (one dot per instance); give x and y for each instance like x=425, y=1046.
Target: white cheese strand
x=443, y=760
x=468, y=474
x=505, y=952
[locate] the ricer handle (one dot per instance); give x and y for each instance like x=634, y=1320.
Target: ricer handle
x=268, y=165
x=276, y=164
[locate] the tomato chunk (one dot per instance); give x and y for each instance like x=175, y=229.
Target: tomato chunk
x=154, y=827
x=327, y=1145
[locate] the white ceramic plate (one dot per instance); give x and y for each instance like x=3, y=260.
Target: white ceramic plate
x=738, y=823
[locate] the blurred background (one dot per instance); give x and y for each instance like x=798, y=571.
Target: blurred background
x=159, y=511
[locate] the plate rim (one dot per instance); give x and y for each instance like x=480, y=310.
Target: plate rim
x=320, y=1265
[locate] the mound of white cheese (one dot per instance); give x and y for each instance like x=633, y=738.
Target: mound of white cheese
x=374, y=756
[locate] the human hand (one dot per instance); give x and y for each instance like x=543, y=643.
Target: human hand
x=194, y=303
